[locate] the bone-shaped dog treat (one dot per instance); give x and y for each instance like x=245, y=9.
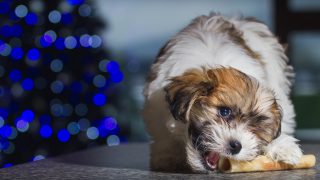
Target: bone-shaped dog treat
x=263, y=163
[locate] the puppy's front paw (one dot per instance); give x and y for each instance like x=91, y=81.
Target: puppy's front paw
x=284, y=148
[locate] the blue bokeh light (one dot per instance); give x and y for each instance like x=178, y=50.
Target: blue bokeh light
x=56, y=65
x=112, y=67
x=33, y=54
x=45, y=131
x=84, y=10
x=113, y=140
x=50, y=36
x=59, y=43
x=31, y=18
x=15, y=75
x=27, y=84
x=22, y=125
x=21, y=11
x=92, y=133
x=117, y=77
x=63, y=135
x=75, y=2
x=27, y=115
x=84, y=40
x=99, y=81
x=54, y=16
x=4, y=7
x=57, y=87
x=5, y=131
x=7, y=165
x=57, y=110
x=16, y=53
x=110, y=123
x=99, y=99
x=73, y=128
x=38, y=158
x=70, y=42
x=43, y=42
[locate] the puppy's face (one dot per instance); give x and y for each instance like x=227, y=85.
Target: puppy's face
x=226, y=113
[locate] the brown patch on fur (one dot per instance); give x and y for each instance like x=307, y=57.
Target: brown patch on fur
x=196, y=96
x=237, y=37
x=184, y=90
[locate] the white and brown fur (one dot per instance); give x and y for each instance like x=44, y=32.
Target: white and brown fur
x=219, y=62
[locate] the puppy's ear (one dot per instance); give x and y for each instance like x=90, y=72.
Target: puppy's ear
x=184, y=90
x=277, y=115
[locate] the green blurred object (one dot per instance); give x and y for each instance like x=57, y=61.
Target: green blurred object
x=307, y=111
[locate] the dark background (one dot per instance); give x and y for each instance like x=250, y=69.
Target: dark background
x=72, y=71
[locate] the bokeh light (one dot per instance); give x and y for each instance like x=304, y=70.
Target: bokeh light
x=27, y=84
x=75, y=2
x=7, y=165
x=21, y=11
x=38, y=158
x=95, y=41
x=59, y=43
x=73, y=128
x=54, y=16
x=33, y=54
x=50, y=36
x=15, y=75
x=5, y=131
x=45, y=131
x=84, y=10
x=57, y=87
x=5, y=49
x=63, y=135
x=27, y=115
x=70, y=42
x=22, y=125
x=84, y=40
x=17, y=53
x=110, y=123
x=46, y=98
x=92, y=133
x=113, y=140
x=56, y=65
x=99, y=99
x=57, y=110
x=31, y=18
x=99, y=81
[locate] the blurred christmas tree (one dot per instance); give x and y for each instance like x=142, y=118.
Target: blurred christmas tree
x=55, y=80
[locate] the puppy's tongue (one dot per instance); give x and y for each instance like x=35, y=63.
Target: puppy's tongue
x=212, y=159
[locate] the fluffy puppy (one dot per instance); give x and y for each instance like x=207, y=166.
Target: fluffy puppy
x=220, y=87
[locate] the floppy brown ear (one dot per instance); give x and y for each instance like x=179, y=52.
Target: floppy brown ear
x=277, y=114
x=184, y=90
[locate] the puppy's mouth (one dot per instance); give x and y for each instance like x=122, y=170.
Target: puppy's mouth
x=211, y=160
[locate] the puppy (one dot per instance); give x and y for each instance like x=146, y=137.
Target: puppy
x=220, y=87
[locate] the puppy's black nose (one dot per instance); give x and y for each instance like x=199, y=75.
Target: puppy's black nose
x=235, y=146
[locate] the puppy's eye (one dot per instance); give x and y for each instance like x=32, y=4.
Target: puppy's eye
x=225, y=112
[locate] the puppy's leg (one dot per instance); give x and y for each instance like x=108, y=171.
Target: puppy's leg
x=284, y=148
